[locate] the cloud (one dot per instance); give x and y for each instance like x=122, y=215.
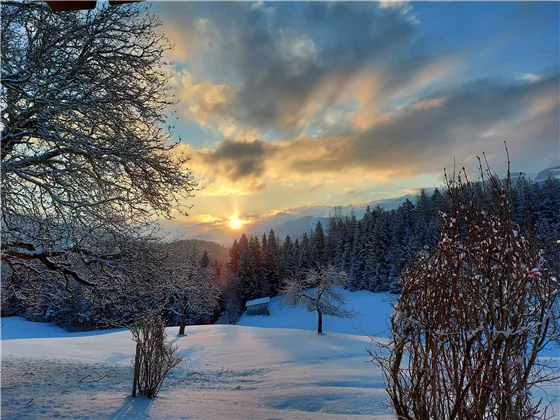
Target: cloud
x=281, y=69
x=190, y=38
x=418, y=138
x=428, y=103
x=298, y=105
x=238, y=160
x=529, y=78
x=394, y=3
x=202, y=101
x=261, y=6
x=290, y=77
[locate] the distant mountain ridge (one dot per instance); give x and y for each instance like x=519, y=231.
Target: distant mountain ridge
x=543, y=175
x=296, y=221
x=297, y=227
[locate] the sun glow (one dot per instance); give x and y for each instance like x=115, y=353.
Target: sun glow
x=235, y=223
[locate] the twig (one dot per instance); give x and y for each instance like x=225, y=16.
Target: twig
x=29, y=402
x=87, y=376
x=94, y=380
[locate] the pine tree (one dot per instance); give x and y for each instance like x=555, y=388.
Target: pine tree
x=305, y=254
x=271, y=263
x=258, y=278
x=288, y=264
x=318, y=246
x=204, y=260
x=359, y=257
x=234, y=257
x=297, y=256
x=374, y=251
x=350, y=227
x=247, y=278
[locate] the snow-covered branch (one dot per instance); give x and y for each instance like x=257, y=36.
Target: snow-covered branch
x=317, y=292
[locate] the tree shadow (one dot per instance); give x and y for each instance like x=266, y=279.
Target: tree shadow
x=133, y=408
x=178, y=337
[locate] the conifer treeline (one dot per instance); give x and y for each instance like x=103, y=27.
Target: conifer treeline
x=375, y=249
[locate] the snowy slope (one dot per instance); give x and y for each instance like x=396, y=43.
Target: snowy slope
x=242, y=373
x=273, y=367
x=372, y=308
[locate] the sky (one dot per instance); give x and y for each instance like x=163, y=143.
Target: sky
x=293, y=107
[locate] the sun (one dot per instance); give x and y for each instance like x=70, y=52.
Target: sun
x=235, y=223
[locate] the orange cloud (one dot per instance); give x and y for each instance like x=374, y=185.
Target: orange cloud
x=189, y=39
x=202, y=101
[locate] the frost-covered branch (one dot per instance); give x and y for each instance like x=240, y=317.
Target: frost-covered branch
x=88, y=158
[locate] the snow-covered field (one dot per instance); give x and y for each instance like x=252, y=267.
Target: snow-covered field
x=228, y=372
x=373, y=316
x=273, y=367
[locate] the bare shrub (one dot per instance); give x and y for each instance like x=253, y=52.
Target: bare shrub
x=473, y=315
x=154, y=356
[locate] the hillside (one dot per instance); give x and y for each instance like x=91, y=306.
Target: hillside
x=266, y=367
x=215, y=250
x=241, y=373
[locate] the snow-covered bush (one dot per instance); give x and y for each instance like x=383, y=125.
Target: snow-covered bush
x=473, y=315
x=154, y=356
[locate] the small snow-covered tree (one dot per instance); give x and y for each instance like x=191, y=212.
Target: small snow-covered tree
x=473, y=315
x=317, y=291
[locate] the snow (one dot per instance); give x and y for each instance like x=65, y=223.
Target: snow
x=267, y=367
x=373, y=315
x=257, y=301
x=15, y=327
x=228, y=371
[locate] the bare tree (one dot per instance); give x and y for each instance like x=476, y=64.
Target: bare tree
x=316, y=291
x=473, y=315
x=87, y=158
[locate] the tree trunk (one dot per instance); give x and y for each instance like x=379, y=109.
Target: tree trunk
x=183, y=319
x=320, y=322
x=136, y=370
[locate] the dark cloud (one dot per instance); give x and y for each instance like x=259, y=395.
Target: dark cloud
x=417, y=140
x=238, y=160
x=280, y=65
x=278, y=61
x=232, y=150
